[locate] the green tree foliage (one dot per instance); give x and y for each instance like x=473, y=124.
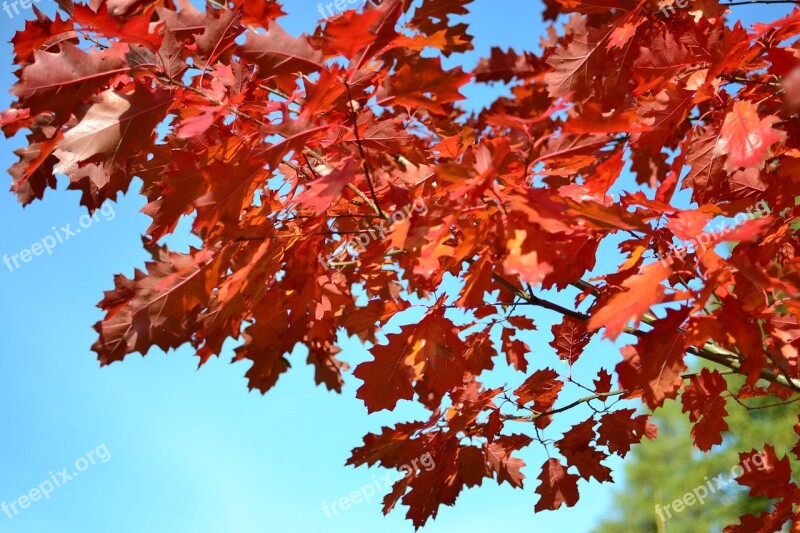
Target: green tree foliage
x=665, y=469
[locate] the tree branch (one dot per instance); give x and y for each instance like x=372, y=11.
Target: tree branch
x=599, y=395
x=710, y=352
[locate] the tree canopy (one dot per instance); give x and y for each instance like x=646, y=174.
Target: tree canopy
x=336, y=184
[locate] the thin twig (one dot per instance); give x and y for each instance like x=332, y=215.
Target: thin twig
x=365, y=163
x=567, y=407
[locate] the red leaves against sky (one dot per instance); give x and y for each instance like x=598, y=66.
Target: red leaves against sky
x=337, y=186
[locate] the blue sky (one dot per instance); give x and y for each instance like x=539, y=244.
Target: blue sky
x=193, y=450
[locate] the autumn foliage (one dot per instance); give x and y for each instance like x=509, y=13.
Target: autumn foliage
x=285, y=149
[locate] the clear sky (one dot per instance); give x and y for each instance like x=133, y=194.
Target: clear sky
x=176, y=449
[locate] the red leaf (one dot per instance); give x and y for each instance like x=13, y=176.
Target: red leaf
x=558, y=487
x=541, y=388
x=526, y=265
x=576, y=447
x=687, y=225
x=765, y=474
x=573, y=66
x=477, y=283
x=602, y=385
x=412, y=87
x=643, y=290
x=112, y=127
x=61, y=81
x=428, y=355
x=278, y=53
x=515, y=350
x=327, y=188
x=131, y=30
x=502, y=464
x=746, y=137
x=654, y=365
x=570, y=338
x=619, y=430
x=703, y=400
x=158, y=308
